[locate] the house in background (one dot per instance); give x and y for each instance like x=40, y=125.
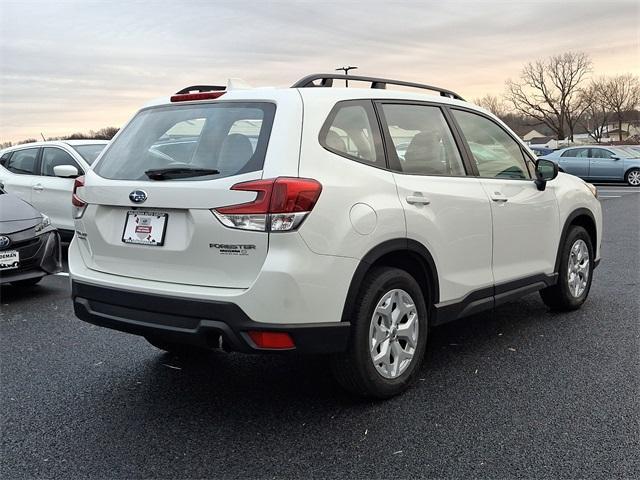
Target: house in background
x=527, y=137
x=544, y=142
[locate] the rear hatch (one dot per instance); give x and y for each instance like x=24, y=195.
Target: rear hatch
x=150, y=200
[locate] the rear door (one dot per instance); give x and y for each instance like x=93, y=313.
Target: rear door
x=51, y=194
x=576, y=162
x=164, y=229
x=605, y=165
x=445, y=210
x=22, y=165
x=526, y=228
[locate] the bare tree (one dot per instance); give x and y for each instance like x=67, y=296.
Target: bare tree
x=493, y=103
x=595, y=112
x=548, y=90
x=623, y=95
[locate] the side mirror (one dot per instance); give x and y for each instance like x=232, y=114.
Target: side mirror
x=546, y=170
x=615, y=158
x=65, y=171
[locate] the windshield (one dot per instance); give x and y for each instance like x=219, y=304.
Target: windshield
x=89, y=152
x=629, y=152
x=227, y=137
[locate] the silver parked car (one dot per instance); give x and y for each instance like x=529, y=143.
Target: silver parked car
x=591, y=162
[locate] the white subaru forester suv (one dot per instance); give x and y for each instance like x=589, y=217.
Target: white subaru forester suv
x=341, y=221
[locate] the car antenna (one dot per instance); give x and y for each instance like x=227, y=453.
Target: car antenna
x=43, y=139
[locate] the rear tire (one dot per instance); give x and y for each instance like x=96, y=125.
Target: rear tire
x=389, y=324
x=30, y=282
x=632, y=177
x=179, y=349
x=575, y=273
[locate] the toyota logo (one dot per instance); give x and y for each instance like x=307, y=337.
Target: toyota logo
x=4, y=241
x=138, y=196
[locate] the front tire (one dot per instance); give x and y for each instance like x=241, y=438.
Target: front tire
x=575, y=275
x=388, y=336
x=632, y=177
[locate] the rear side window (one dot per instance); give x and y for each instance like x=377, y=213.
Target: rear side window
x=23, y=162
x=351, y=130
x=496, y=153
x=577, y=153
x=229, y=137
x=422, y=140
x=53, y=157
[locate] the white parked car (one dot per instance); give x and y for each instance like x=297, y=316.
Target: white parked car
x=42, y=174
x=270, y=220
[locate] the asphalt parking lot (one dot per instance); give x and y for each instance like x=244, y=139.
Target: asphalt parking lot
x=521, y=392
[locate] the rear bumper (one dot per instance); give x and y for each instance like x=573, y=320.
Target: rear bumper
x=204, y=323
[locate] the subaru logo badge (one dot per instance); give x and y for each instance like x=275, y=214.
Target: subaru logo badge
x=138, y=196
x=4, y=241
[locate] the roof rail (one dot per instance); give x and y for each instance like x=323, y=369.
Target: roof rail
x=201, y=88
x=326, y=80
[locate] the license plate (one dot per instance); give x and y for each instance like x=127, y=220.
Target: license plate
x=9, y=259
x=145, y=228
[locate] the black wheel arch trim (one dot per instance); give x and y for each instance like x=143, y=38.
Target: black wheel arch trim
x=565, y=230
x=379, y=251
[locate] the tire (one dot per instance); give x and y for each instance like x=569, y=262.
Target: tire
x=355, y=369
x=179, y=349
x=632, y=177
x=572, y=288
x=30, y=282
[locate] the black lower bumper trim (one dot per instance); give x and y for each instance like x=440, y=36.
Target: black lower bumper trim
x=196, y=322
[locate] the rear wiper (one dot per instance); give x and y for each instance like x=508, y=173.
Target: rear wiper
x=179, y=172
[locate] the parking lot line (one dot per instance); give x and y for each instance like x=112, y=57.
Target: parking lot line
x=610, y=196
x=64, y=274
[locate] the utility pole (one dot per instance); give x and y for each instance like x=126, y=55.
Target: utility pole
x=346, y=72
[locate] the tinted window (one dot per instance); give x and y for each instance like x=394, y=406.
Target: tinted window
x=496, y=153
x=89, y=152
x=349, y=132
x=577, y=153
x=228, y=137
x=22, y=161
x=422, y=140
x=52, y=157
x=601, y=153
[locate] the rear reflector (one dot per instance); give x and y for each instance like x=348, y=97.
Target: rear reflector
x=188, y=97
x=272, y=340
x=281, y=204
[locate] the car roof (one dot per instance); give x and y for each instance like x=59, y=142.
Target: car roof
x=56, y=143
x=330, y=95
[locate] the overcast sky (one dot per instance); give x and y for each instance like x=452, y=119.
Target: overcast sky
x=68, y=66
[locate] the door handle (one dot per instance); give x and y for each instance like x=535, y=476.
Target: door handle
x=38, y=187
x=499, y=197
x=417, y=199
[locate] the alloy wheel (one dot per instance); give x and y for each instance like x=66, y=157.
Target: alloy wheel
x=578, y=271
x=393, y=333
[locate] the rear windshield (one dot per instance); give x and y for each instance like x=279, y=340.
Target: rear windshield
x=89, y=152
x=229, y=137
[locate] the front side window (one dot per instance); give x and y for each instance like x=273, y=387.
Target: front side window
x=601, y=153
x=349, y=132
x=22, y=162
x=422, y=140
x=496, y=153
x=53, y=157
x=228, y=137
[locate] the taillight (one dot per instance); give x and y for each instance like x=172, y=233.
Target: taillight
x=78, y=204
x=188, y=97
x=281, y=205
